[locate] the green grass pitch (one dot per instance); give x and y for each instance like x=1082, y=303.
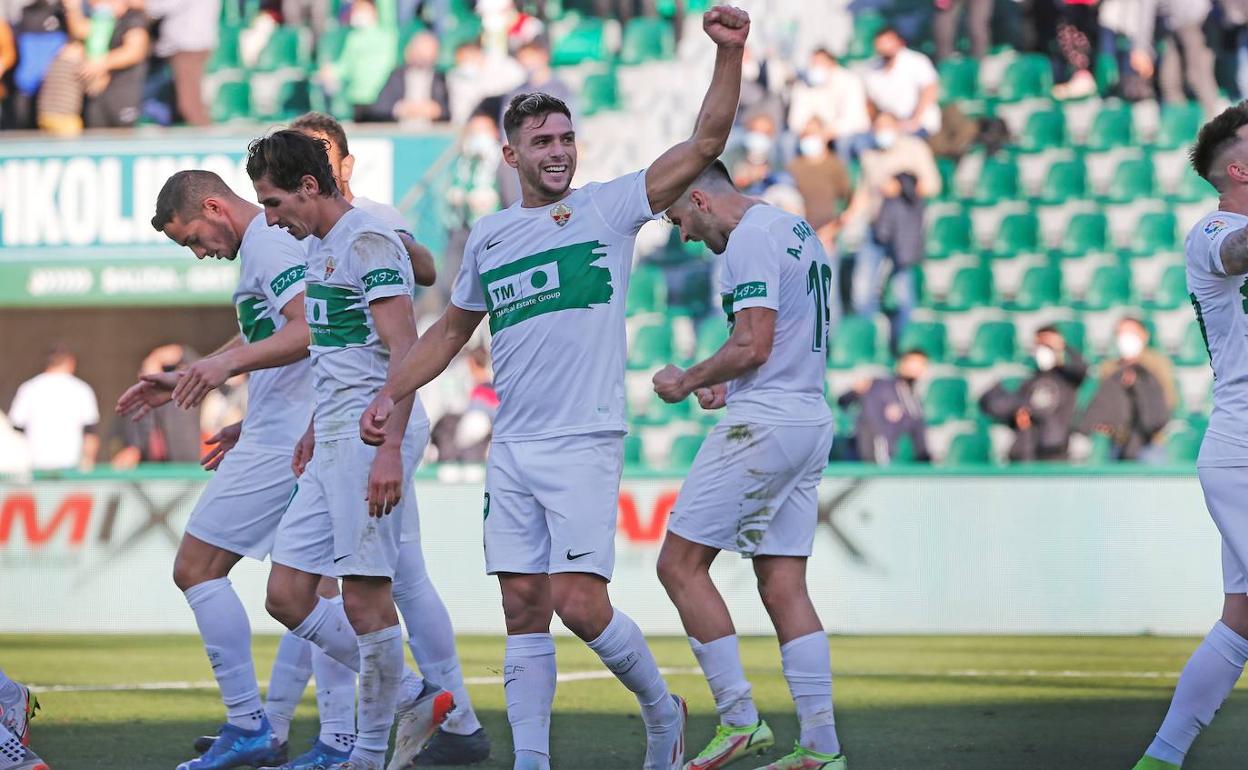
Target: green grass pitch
x=970, y=703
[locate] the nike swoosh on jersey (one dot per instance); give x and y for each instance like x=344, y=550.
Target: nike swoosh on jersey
x=489, y=246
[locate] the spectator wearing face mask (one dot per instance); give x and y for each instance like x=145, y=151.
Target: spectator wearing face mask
x=823, y=182
x=903, y=83
x=1135, y=397
x=1041, y=411
x=476, y=78
x=416, y=93
x=534, y=58
x=890, y=408
x=759, y=160
x=833, y=95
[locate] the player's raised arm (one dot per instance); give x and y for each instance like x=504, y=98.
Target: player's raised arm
x=675, y=169
x=425, y=360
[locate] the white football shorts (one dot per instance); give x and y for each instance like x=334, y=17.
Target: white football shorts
x=241, y=506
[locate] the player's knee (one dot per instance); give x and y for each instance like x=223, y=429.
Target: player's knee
x=283, y=605
x=584, y=611
x=673, y=573
x=777, y=593
x=527, y=607
x=187, y=574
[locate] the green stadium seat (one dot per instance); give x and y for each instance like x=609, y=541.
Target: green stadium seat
x=1112, y=127
x=406, y=33
x=1183, y=446
x=1019, y=233
x=1132, y=180
x=1155, y=232
x=684, y=450
x=226, y=55
x=1191, y=188
x=460, y=28
x=1028, y=77
x=1106, y=72
x=1179, y=124
x=1043, y=131
x=1074, y=332
x=1065, y=180
x=969, y=449
x=1101, y=451
x=971, y=287
x=651, y=348
x=866, y=25
x=994, y=342
x=853, y=343
x=959, y=79
x=586, y=41
x=232, y=102
x=1086, y=233
x=600, y=92
x=294, y=98
x=1172, y=291
x=1041, y=287
x=647, y=39
x=997, y=182
x=329, y=46
x=928, y=336
x=283, y=50
x=1109, y=288
x=712, y=335
x=951, y=234
x=647, y=290
x=945, y=400
x=1192, y=350
x=632, y=451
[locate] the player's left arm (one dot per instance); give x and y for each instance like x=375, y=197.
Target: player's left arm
x=748, y=348
x=669, y=176
x=286, y=346
x=424, y=272
x=396, y=328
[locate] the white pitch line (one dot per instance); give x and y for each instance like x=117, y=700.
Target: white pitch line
x=591, y=676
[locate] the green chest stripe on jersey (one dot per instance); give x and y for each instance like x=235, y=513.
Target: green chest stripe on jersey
x=749, y=291
x=287, y=279
x=560, y=279
x=382, y=277
x=726, y=300
x=336, y=317
x=253, y=322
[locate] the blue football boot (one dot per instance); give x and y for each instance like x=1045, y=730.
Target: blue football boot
x=319, y=757
x=236, y=747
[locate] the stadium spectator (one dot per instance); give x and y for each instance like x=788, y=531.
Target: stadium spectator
x=903, y=83
x=366, y=60
x=823, y=182
x=756, y=92
x=1235, y=15
x=59, y=415
x=166, y=435
x=1187, y=59
x=897, y=178
x=1040, y=411
x=416, y=91
x=1127, y=31
x=1074, y=26
x=888, y=409
x=112, y=60
x=41, y=31
x=534, y=58
x=978, y=14
x=477, y=77
x=472, y=193
x=504, y=28
x=311, y=13
x=759, y=160
x=8, y=57
x=187, y=38
x=464, y=436
x=1135, y=397
x=834, y=95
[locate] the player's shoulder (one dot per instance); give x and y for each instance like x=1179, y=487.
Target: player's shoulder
x=619, y=185
x=382, y=211
x=1208, y=227
x=260, y=241
x=762, y=222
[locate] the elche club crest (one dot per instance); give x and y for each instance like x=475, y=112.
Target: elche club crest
x=329, y=267
x=561, y=213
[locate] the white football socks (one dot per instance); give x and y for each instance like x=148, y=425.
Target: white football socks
x=529, y=685
x=328, y=628
x=335, y=698
x=292, y=668
x=226, y=632
x=381, y=675
x=1206, y=681
x=431, y=636
x=720, y=660
x=624, y=651
x=807, y=665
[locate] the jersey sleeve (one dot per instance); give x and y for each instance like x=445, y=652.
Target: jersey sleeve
x=390, y=216
x=286, y=265
x=624, y=204
x=755, y=274
x=381, y=266
x=19, y=410
x=1213, y=233
x=467, y=292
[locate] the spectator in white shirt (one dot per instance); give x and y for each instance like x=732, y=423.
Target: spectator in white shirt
x=832, y=94
x=904, y=83
x=59, y=414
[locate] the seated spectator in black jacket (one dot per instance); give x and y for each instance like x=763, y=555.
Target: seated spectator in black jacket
x=1135, y=397
x=416, y=91
x=890, y=409
x=1041, y=411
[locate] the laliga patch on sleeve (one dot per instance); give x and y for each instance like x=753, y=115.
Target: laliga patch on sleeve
x=1215, y=226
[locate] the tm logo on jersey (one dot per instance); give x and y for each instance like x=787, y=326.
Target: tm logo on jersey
x=565, y=278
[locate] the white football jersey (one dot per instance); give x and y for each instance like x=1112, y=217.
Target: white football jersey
x=553, y=280
x=1221, y=305
x=279, y=400
x=360, y=261
x=774, y=260
x=383, y=211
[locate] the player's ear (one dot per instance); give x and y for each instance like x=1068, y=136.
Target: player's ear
x=347, y=166
x=1238, y=172
x=700, y=200
x=509, y=155
x=309, y=186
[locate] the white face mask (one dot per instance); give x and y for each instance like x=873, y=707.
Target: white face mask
x=885, y=139
x=817, y=76
x=812, y=146
x=1046, y=358
x=479, y=145
x=1129, y=345
x=757, y=144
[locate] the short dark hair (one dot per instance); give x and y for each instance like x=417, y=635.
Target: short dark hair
x=287, y=156
x=715, y=174
x=183, y=194
x=1214, y=137
x=320, y=123
x=532, y=105
x=889, y=29
x=824, y=52
x=59, y=353
x=1050, y=329
x=920, y=352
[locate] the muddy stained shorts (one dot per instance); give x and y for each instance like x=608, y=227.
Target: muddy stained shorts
x=753, y=489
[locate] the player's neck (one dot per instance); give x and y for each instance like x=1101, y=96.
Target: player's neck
x=735, y=206
x=331, y=210
x=240, y=212
x=347, y=195
x=1234, y=201
x=533, y=199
